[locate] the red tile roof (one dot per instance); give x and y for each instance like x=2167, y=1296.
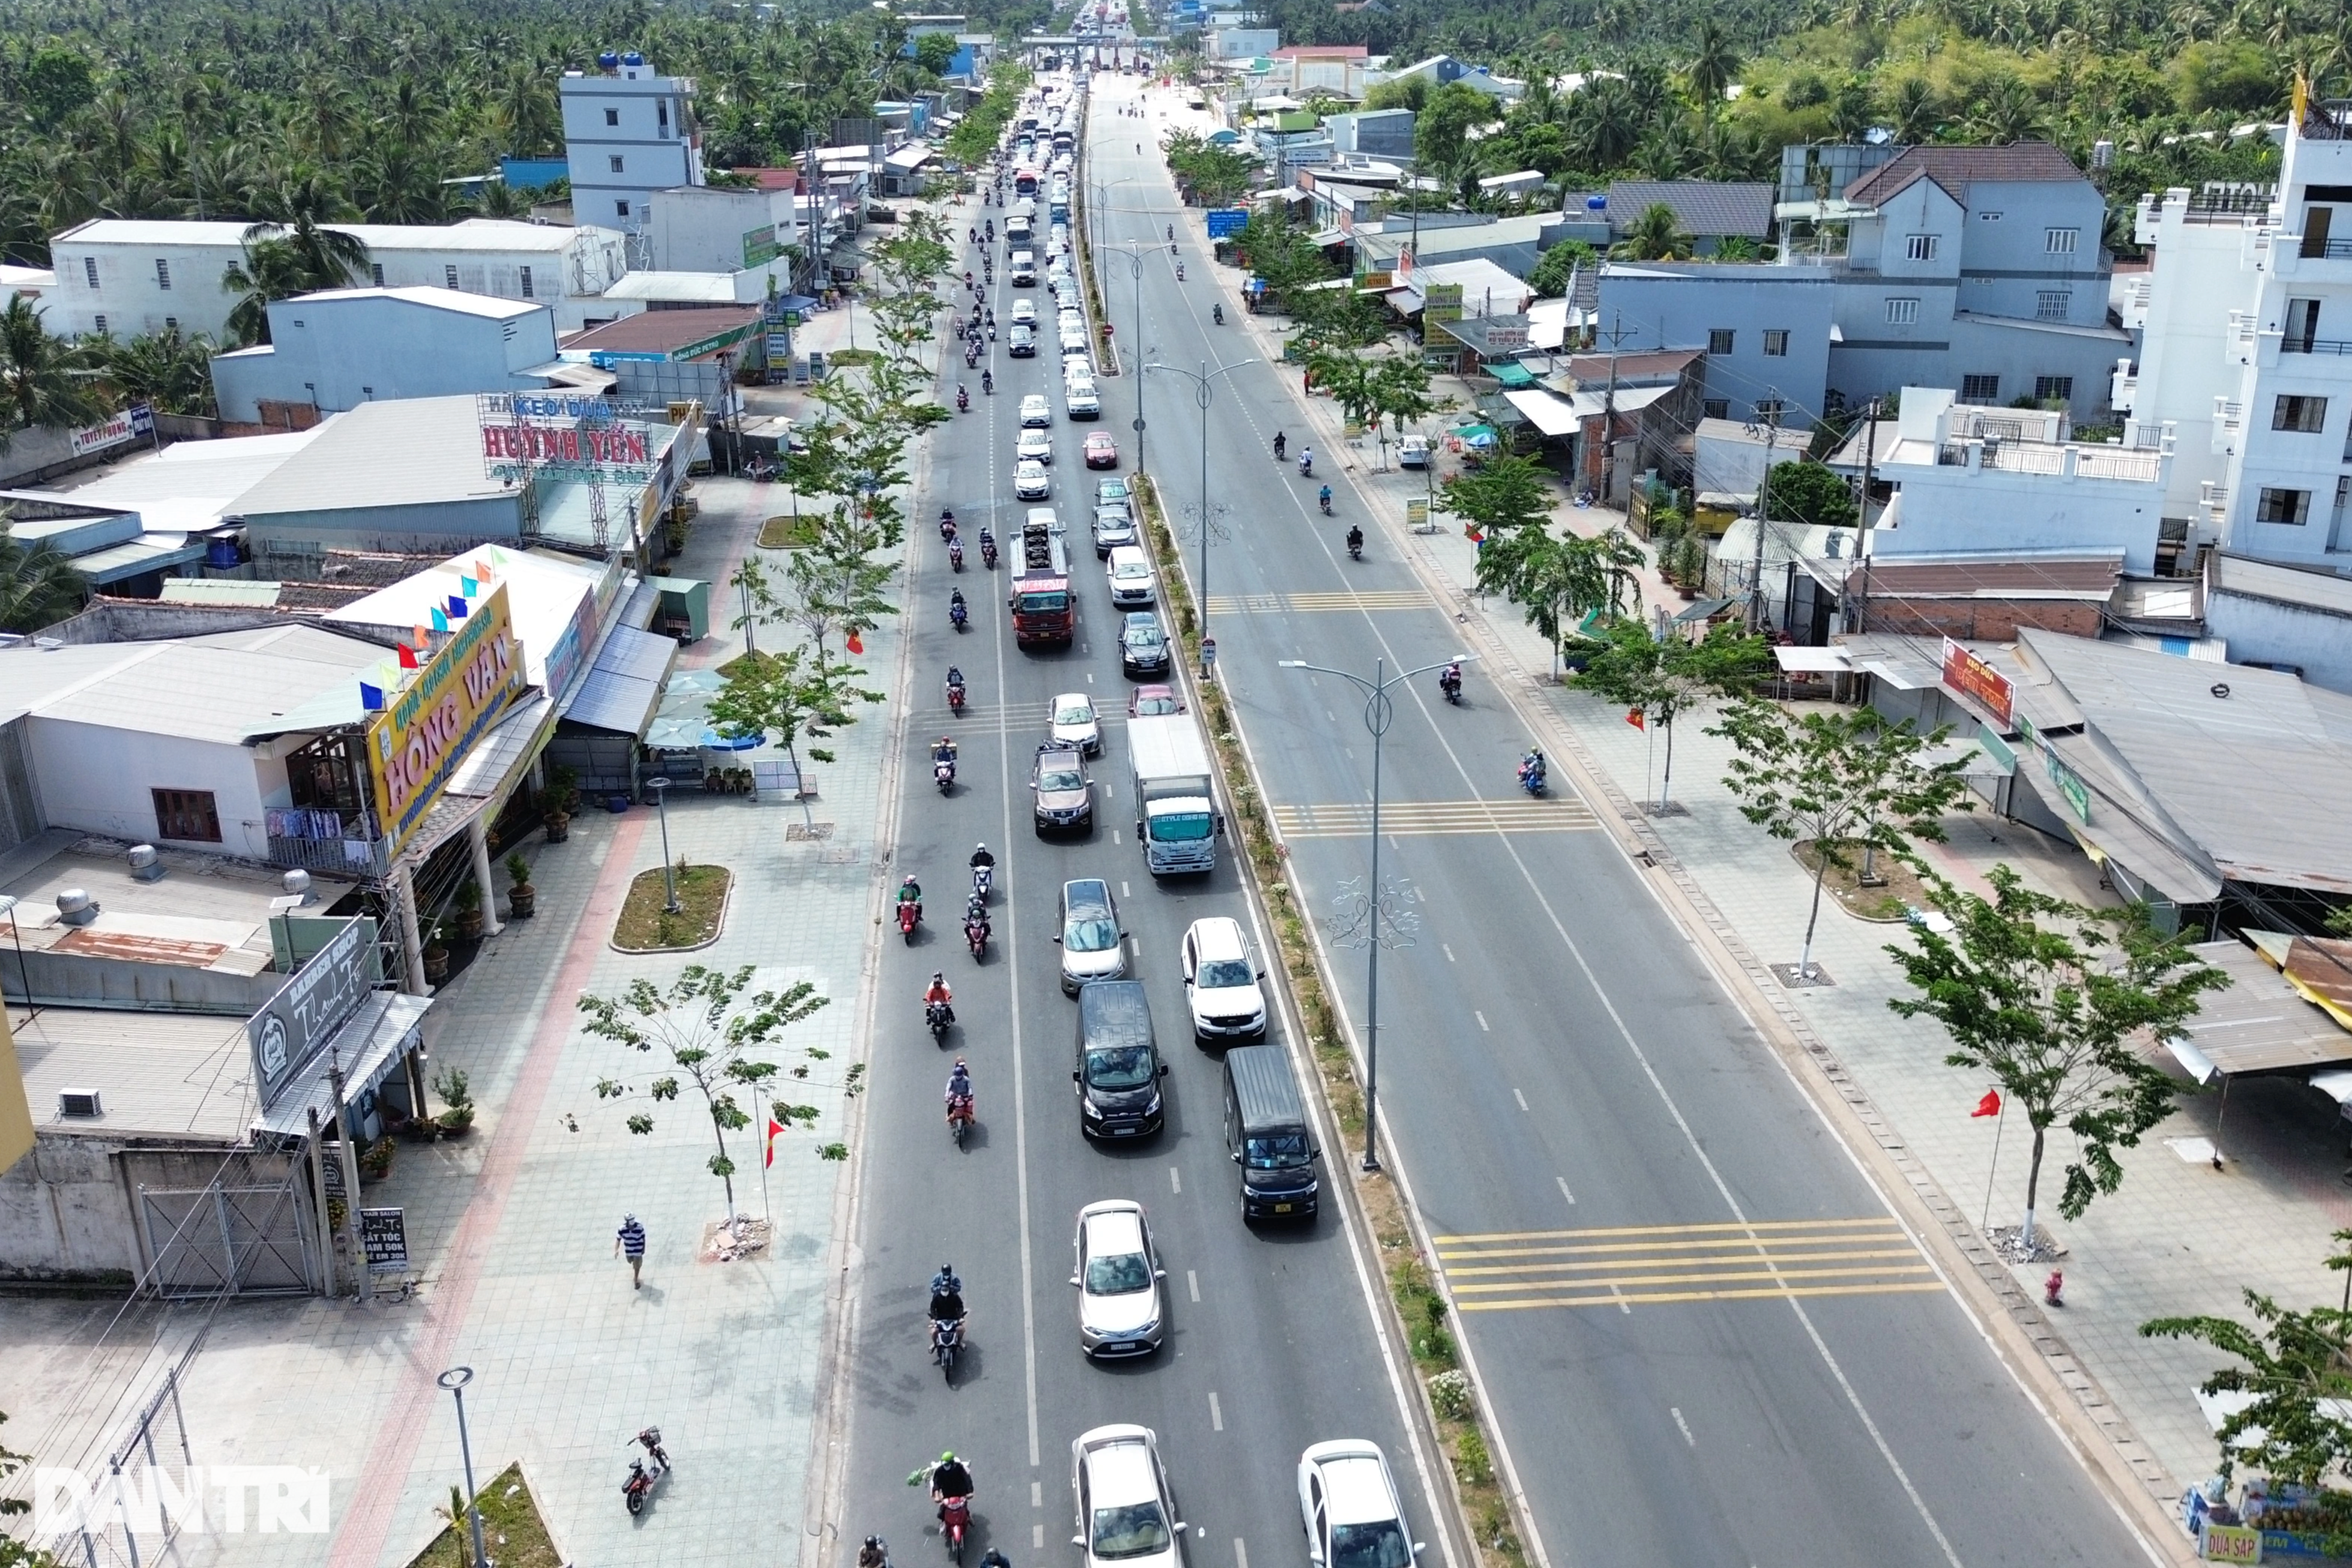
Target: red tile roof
x=1956, y=168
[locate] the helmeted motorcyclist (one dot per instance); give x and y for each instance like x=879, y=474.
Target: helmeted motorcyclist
x=951, y=1477
x=1355, y=540
x=1278, y=444
x=946, y=1282
x=1306, y=461
x=955, y=675
x=910, y=891
x=982, y=857
x=955, y=600
x=873, y=1553
x=958, y=1082
x=938, y=996
x=1324, y=498
x=987, y=381
x=944, y=750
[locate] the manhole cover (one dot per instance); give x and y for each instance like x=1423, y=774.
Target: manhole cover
x=1804, y=979
x=802, y=832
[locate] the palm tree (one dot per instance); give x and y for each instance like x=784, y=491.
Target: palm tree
x=1656, y=235
x=1608, y=127
x=271, y=269
x=1669, y=153
x=38, y=587
x=41, y=377
x=1913, y=111
x=2004, y=111
x=169, y=370
x=1713, y=64
x=298, y=209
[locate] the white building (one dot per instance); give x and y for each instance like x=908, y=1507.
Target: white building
x=629, y=132
x=718, y=229
x=1971, y=480
x=2246, y=344
x=337, y=349
x=130, y=276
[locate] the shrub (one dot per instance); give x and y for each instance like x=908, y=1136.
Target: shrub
x=1470, y=1459
x=1449, y=1395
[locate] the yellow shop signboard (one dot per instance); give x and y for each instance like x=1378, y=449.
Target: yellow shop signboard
x=416, y=744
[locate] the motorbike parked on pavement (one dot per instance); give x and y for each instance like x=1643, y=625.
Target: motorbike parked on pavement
x=638, y=1488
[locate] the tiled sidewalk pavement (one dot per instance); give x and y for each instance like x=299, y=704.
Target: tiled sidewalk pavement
x=2179, y=1237
x=512, y=1230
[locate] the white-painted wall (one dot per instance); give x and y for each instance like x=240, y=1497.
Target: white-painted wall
x=99, y=779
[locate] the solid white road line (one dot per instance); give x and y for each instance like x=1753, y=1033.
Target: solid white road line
x=1175, y=1180
x=1483, y=1027
x=1241, y=1552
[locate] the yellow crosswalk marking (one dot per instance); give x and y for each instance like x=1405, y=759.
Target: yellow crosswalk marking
x=1628, y=1266
x=1562, y=813
x=1277, y=604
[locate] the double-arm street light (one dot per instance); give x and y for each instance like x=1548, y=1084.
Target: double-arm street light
x=1133, y=256
x=1204, y=392
x=1379, y=711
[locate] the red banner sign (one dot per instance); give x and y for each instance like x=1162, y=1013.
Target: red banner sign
x=1979, y=682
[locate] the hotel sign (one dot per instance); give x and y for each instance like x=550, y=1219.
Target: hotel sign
x=416, y=744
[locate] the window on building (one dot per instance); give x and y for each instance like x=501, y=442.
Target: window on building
x=97, y=324
x=171, y=323
x=1775, y=345
x=2297, y=413
x=1718, y=408
x=2302, y=326
x=2060, y=241
x=661, y=108
x=1920, y=247
x=611, y=117
x=2053, y=388
x=2317, y=223
x=376, y=273
x=1979, y=389
x=186, y=813
x=620, y=209
x=449, y=274
x=1902, y=312
x=616, y=162
x=1718, y=341
x=89, y=270
x=2052, y=304
x=2291, y=507
x=2342, y=502
x=163, y=274
x=525, y=284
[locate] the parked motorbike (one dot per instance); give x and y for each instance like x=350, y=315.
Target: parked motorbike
x=639, y=1486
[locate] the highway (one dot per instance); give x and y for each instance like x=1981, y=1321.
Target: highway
x=1707, y=1339
x=1271, y=1344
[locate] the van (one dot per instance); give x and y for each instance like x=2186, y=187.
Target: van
x=1025, y=270
x=1267, y=1135
x=1118, y=1070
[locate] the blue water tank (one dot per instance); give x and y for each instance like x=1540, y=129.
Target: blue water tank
x=220, y=552
x=608, y=60
x=633, y=58
x=1596, y=204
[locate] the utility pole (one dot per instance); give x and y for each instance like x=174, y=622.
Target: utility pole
x=1609, y=409
x=1763, y=499
x=1862, y=534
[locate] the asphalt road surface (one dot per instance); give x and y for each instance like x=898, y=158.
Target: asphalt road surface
x=1707, y=1337
x=1271, y=1344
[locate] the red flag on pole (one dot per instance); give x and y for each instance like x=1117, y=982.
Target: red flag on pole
x=856, y=643
x=1633, y=717
x=1989, y=1105
x=408, y=656
x=774, y=1127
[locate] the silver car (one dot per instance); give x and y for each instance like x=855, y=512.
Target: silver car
x=1348, y=1501
x=1117, y=1275
x=1093, y=947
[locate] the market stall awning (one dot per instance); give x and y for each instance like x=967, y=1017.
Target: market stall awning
x=1705, y=609
x=1811, y=660
x=2260, y=1024
x=1547, y=412
x=625, y=683
x=1511, y=373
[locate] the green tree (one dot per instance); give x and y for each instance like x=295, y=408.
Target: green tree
x=56, y=81
x=1807, y=491
x=1399, y=396
x=935, y=52
x=1661, y=677
x=44, y=381
x=705, y=1025
x=1714, y=66
x=1837, y=779
x=1553, y=270
x=800, y=694
x=1501, y=494
x=2295, y=1366
x=1559, y=579
x=169, y=370
x=1445, y=121
x=268, y=270
x=1657, y=235
x=2060, y=1004
x=299, y=210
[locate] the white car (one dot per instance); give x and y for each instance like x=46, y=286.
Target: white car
x=1348, y=1500
x=1036, y=414
x=1024, y=312
x=1126, y=1515
x=1117, y=1276
x=1220, y=980
x=1078, y=367
x=1080, y=399
x=1031, y=482
x=1033, y=447
x=1074, y=723
x=1130, y=575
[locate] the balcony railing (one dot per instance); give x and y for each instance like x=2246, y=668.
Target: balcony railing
x=2069, y=461
x=363, y=857
x=2315, y=346
x=2311, y=249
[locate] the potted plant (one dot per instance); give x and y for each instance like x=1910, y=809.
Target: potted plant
x=450, y=1085
x=522, y=899
x=376, y=1161
x=561, y=794
x=469, y=910
x=1687, y=563
x=436, y=954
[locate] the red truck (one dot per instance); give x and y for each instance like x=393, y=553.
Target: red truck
x=1043, y=612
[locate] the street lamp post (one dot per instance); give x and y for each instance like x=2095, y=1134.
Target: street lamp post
x=660, y=786
x=1379, y=711
x=455, y=1380
x=1204, y=392
x=1135, y=272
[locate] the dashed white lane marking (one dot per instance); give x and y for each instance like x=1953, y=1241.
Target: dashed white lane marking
x=1216, y=1413
x=1193, y=1283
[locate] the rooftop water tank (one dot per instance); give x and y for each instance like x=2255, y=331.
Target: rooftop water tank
x=608, y=61
x=633, y=58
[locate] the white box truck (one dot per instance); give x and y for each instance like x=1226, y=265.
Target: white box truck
x=1175, y=795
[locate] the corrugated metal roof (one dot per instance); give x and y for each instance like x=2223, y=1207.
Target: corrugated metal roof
x=473, y=234
x=205, y=689
x=1703, y=207
x=2259, y=1023
x=149, y=552
x=409, y=451
x=625, y=684
x=218, y=591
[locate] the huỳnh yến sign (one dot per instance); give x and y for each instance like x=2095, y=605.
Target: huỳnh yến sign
x=416, y=744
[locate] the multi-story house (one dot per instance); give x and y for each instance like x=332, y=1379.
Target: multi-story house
x=2246, y=344
x=1765, y=330
x=1978, y=268
x=629, y=132
x=129, y=276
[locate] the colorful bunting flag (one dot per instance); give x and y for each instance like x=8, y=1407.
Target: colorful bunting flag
x=371, y=698
x=408, y=656
x=468, y=586
x=440, y=619
x=423, y=638
x=456, y=608
x=856, y=643
x=774, y=1127
x=1989, y=1106
x=1634, y=717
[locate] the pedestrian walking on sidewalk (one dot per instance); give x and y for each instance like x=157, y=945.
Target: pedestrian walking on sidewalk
x=630, y=1241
